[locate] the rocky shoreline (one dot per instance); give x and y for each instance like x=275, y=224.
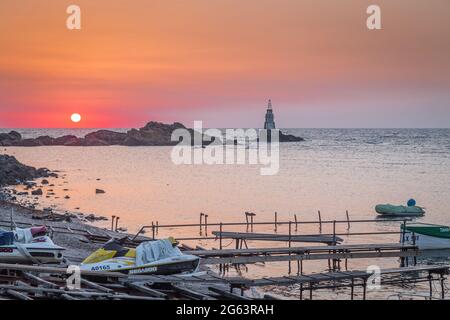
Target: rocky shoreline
x=152, y=134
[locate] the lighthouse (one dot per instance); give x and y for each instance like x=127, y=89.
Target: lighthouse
x=269, y=124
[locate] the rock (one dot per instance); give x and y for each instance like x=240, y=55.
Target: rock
x=153, y=134
x=24, y=193
x=44, y=181
x=68, y=140
x=289, y=138
x=13, y=172
x=9, y=139
x=67, y=197
x=104, y=137
x=37, y=192
x=98, y=191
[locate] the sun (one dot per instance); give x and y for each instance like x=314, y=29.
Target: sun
x=75, y=117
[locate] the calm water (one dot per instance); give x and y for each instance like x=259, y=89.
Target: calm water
x=334, y=170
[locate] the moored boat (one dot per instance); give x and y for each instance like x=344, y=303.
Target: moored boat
x=426, y=236
x=160, y=257
x=399, y=211
x=29, y=246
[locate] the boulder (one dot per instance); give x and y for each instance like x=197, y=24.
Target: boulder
x=98, y=191
x=13, y=172
x=37, y=192
x=105, y=137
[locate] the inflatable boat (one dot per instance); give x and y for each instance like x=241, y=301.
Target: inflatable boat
x=426, y=236
x=160, y=257
x=399, y=211
x=29, y=246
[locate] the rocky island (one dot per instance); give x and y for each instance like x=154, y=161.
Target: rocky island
x=152, y=134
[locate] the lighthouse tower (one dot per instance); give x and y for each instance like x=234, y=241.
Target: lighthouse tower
x=269, y=124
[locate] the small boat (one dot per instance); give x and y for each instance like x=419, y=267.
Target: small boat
x=426, y=236
x=160, y=257
x=399, y=211
x=29, y=246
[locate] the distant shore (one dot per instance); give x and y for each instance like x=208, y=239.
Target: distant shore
x=152, y=134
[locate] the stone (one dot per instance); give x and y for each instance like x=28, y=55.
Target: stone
x=37, y=192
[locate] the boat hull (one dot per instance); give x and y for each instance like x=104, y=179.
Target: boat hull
x=11, y=254
x=426, y=236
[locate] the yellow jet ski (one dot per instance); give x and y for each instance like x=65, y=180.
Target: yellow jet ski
x=151, y=257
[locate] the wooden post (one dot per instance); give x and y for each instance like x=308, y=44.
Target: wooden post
x=404, y=231
x=334, y=232
x=352, y=289
x=364, y=289
x=320, y=222
x=442, y=287
x=112, y=223
x=153, y=230
x=220, y=238
x=414, y=243
x=348, y=220
x=200, y=225
x=206, y=225
x=117, y=223
x=301, y=291
x=290, y=235
x=296, y=223
x=157, y=227
x=430, y=279
x=251, y=219
x=276, y=218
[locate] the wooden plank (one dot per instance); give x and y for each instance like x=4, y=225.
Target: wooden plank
x=313, y=256
x=227, y=294
x=39, y=280
x=142, y=288
x=66, y=296
x=18, y=295
x=191, y=293
x=277, y=237
x=95, y=286
x=309, y=249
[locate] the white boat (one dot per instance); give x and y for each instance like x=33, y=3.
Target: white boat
x=426, y=236
x=29, y=246
x=151, y=257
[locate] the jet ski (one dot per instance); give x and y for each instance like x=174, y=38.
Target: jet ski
x=29, y=246
x=161, y=257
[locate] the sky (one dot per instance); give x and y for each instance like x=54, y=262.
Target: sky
x=220, y=61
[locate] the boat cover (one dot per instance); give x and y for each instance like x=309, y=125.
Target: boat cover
x=151, y=251
x=6, y=238
x=23, y=235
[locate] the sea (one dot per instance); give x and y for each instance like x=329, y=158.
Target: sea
x=334, y=171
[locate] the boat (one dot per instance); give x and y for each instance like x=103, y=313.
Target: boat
x=29, y=246
x=426, y=236
x=399, y=211
x=161, y=257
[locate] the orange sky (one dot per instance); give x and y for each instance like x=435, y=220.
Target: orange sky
x=219, y=61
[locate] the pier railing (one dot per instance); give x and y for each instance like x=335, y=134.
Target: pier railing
x=250, y=223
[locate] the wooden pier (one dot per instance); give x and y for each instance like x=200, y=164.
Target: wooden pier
x=25, y=282
x=244, y=256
